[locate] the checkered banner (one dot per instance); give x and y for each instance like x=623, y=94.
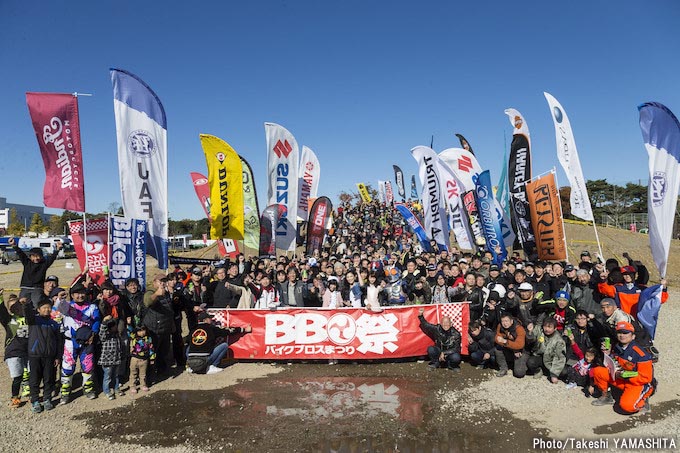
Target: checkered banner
x=350, y=333
x=93, y=253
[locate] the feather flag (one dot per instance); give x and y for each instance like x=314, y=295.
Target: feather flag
x=399, y=179
x=433, y=200
x=490, y=222
x=308, y=186
x=465, y=144
x=141, y=129
x=251, y=210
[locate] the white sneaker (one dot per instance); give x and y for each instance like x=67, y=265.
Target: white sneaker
x=571, y=385
x=213, y=369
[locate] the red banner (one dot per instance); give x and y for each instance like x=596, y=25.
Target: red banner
x=97, y=246
x=202, y=191
x=56, y=124
x=353, y=334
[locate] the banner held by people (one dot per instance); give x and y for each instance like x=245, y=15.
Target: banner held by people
x=141, y=129
x=310, y=173
x=661, y=133
x=399, y=179
x=225, y=179
x=316, y=228
x=434, y=207
x=57, y=128
x=127, y=251
x=519, y=172
x=546, y=216
x=92, y=251
x=363, y=192
x=251, y=209
x=282, y=177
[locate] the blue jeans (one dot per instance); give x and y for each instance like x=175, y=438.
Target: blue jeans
x=477, y=358
x=452, y=360
x=218, y=354
x=109, y=374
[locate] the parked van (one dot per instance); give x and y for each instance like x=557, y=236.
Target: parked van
x=48, y=244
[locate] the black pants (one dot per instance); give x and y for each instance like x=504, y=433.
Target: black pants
x=162, y=343
x=42, y=370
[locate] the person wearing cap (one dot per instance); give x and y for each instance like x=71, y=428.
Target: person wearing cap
x=51, y=282
x=432, y=273
x=548, y=351
x=81, y=321
x=559, y=308
x=559, y=279
x=35, y=269
x=570, y=272
x=194, y=296
x=159, y=319
x=634, y=374
x=135, y=300
x=446, y=348
x=204, y=352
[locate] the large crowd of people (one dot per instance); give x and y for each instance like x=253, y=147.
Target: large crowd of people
x=567, y=322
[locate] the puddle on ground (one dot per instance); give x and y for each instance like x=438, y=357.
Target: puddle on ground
x=659, y=412
x=314, y=407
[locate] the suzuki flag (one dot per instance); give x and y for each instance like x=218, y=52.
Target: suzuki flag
x=91, y=246
x=661, y=133
x=568, y=156
x=251, y=222
x=310, y=172
x=519, y=172
x=399, y=179
x=316, y=228
x=225, y=179
x=490, y=222
x=141, y=129
x=127, y=251
x=57, y=128
x=434, y=207
x=282, y=165
x=546, y=216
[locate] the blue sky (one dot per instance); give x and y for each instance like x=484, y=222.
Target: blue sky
x=360, y=83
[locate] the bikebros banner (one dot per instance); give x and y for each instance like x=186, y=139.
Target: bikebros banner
x=127, y=251
x=568, y=156
x=57, y=128
x=434, y=208
x=282, y=165
x=316, y=228
x=354, y=334
x=141, y=129
x=363, y=192
x=546, y=216
x=399, y=179
x=519, y=172
x=661, y=133
x=415, y=225
x=93, y=253
x=490, y=224
x=310, y=172
x=225, y=178
x=251, y=222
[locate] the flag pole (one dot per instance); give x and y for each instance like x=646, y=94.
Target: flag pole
x=76, y=94
x=597, y=238
x=85, y=237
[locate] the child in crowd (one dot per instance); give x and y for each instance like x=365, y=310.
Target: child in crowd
x=16, y=345
x=141, y=353
x=580, y=374
x=110, y=357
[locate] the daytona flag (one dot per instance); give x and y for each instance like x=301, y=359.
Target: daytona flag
x=487, y=213
x=127, y=251
x=268, y=220
x=92, y=253
x=568, y=156
x=316, y=228
x=465, y=144
x=546, y=216
x=399, y=179
x=434, y=207
x=661, y=133
x=141, y=129
x=519, y=172
x=310, y=172
x=363, y=192
x=414, y=191
x=57, y=128
x=251, y=222
x=282, y=171
x=415, y=225
x=225, y=179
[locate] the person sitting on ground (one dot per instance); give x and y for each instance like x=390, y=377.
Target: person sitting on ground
x=481, y=345
x=35, y=269
x=580, y=374
x=446, y=348
x=204, y=354
x=548, y=352
x=16, y=345
x=511, y=339
x=634, y=373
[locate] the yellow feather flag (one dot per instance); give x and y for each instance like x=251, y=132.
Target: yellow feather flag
x=225, y=178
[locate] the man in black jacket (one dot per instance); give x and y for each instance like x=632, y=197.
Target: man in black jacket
x=481, y=345
x=35, y=269
x=203, y=354
x=446, y=348
x=159, y=319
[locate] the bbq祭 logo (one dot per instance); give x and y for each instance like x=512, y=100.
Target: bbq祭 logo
x=141, y=144
x=94, y=244
x=659, y=186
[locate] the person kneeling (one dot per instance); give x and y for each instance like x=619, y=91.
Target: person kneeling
x=446, y=348
x=203, y=355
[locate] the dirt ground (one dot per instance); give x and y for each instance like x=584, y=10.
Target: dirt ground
x=353, y=407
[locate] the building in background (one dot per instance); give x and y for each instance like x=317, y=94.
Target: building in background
x=24, y=213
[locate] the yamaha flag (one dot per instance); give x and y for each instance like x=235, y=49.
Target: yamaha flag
x=141, y=129
x=310, y=172
x=661, y=133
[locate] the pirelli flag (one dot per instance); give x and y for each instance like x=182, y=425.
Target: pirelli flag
x=546, y=218
x=363, y=192
x=225, y=178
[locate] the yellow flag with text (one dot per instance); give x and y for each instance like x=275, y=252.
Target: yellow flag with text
x=225, y=178
x=363, y=191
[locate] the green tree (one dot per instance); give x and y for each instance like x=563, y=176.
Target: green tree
x=16, y=228
x=37, y=224
x=55, y=225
